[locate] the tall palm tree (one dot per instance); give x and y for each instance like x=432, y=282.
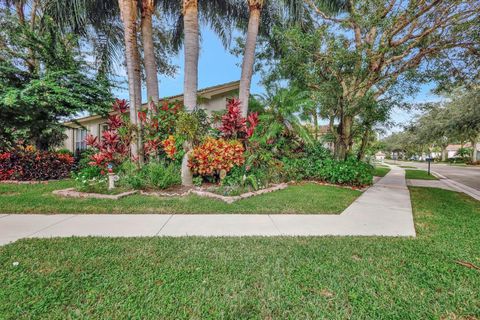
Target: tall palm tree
x=149, y=61
x=255, y=8
x=220, y=14
x=296, y=13
x=190, y=82
x=128, y=13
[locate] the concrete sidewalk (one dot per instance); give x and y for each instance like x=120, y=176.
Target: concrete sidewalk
x=383, y=210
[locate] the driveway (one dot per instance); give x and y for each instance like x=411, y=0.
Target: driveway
x=469, y=176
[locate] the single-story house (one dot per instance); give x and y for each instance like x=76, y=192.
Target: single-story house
x=452, y=149
x=211, y=99
x=380, y=156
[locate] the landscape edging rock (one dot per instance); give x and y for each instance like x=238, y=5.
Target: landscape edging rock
x=72, y=193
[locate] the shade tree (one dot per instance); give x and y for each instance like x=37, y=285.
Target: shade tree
x=377, y=48
x=44, y=78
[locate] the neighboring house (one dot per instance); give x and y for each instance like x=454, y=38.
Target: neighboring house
x=211, y=99
x=380, y=156
x=452, y=149
x=325, y=136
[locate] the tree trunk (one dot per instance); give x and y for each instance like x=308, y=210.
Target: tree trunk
x=128, y=11
x=190, y=84
x=344, y=138
x=149, y=51
x=444, y=153
x=249, y=56
x=474, y=150
x=315, y=123
x=363, y=145
x=186, y=173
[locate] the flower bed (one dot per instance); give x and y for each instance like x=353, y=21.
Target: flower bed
x=174, y=192
x=231, y=199
x=237, y=156
x=27, y=164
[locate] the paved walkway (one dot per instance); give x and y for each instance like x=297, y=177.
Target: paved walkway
x=382, y=210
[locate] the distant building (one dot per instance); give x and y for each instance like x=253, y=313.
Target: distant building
x=211, y=99
x=380, y=156
x=452, y=149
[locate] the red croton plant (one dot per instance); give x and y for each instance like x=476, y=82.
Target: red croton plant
x=215, y=155
x=114, y=145
x=234, y=126
x=158, y=127
x=28, y=164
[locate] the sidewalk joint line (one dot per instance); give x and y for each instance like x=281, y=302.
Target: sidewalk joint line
x=275, y=225
x=51, y=225
x=163, y=226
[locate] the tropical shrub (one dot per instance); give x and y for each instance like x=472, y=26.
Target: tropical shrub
x=27, y=164
x=193, y=126
x=350, y=172
x=114, y=145
x=216, y=157
x=90, y=179
x=153, y=175
x=159, y=124
x=234, y=126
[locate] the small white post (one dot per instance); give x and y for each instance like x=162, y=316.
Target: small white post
x=111, y=177
x=111, y=181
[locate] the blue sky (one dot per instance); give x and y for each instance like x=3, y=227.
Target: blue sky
x=217, y=65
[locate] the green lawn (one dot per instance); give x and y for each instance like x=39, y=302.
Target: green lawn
x=308, y=198
x=381, y=171
x=408, y=167
x=262, y=278
x=419, y=174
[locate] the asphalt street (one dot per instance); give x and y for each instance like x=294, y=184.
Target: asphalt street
x=467, y=175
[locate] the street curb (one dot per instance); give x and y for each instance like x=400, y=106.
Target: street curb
x=459, y=186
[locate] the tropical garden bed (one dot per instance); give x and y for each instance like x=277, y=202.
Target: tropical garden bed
x=227, y=157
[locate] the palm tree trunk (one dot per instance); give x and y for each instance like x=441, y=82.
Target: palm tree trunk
x=149, y=51
x=249, y=55
x=128, y=11
x=190, y=84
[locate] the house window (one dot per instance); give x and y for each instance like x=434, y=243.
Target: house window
x=102, y=127
x=80, y=143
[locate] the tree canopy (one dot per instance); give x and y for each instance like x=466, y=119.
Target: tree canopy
x=44, y=78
